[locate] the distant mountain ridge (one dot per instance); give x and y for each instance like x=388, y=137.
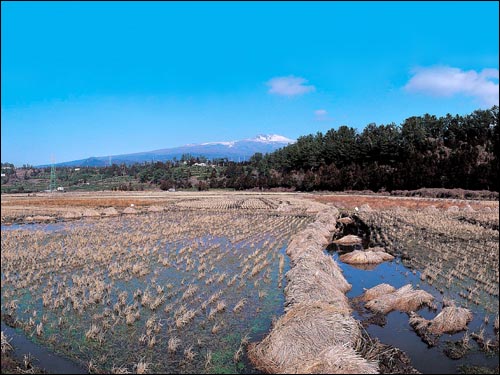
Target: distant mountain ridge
x=233, y=150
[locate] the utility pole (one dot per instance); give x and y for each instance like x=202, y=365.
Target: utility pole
x=52, y=186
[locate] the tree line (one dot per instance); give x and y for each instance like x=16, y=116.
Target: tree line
x=423, y=151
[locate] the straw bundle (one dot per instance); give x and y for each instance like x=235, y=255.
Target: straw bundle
x=364, y=257
x=328, y=218
x=320, y=261
x=307, y=285
x=377, y=291
x=89, y=212
x=348, y=240
x=404, y=299
x=43, y=218
x=301, y=335
x=338, y=360
x=110, y=211
x=450, y=320
x=155, y=209
x=295, y=251
x=320, y=228
x=71, y=215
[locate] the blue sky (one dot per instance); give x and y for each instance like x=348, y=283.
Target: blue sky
x=84, y=79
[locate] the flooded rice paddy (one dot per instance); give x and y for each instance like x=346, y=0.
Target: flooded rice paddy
x=394, y=328
x=176, y=292
x=186, y=289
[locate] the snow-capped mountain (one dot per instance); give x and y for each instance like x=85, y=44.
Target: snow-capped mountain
x=233, y=150
x=271, y=138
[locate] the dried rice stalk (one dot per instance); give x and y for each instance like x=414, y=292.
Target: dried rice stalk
x=377, y=291
x=348, y=240
x=309, y=286
x=301, y=334
x=365, y=257
x=404, y=299
x=450, y=320
x=338, y=360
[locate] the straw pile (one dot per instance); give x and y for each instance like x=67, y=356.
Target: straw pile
x=468, y=208
x=130, y=210
x=328, y=218
x=71, y=215
x=404, y=299
x=338, y=360
x=307, y=285
x=365, y=257
x=155, y=209
x=89, y=212
x=310, y=240
x=110, y=211
x=312, y=262
x=377, y=291
x=348, y=240
x=301, y=335
x=320, y=228
x=296, y=251
x=450, y=320
x=43, y=218
x=317, y=333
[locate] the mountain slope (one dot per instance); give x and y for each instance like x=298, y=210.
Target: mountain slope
x=233, y=150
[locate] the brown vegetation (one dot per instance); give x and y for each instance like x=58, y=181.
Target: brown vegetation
x=302, y=334
x=404, y=299
x=365, y=257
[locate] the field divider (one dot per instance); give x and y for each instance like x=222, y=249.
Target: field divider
x=317, y=333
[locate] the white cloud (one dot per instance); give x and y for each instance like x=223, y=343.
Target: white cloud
x=447, y=81
x=321, y=115
x=289, y=86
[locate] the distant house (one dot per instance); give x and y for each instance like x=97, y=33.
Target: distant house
x=60, y=188
x=3, y=175
x=77, y=169
x=172, y=190
x=200, y=164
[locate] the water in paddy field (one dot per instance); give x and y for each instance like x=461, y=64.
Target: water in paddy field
x=122, y=345
x=42, y=357
x=397, y=330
